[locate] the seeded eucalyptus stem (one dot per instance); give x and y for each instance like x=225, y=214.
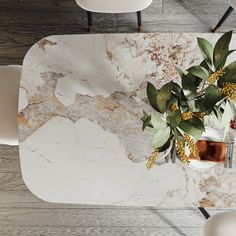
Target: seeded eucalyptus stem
x=179, y=110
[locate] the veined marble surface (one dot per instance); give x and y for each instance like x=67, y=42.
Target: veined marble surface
x=81, y=100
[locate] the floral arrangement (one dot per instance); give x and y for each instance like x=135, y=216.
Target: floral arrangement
x=180, y=110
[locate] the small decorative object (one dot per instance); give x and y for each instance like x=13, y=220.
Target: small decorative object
x=181, y=110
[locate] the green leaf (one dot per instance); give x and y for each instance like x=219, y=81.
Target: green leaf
x=173, y=99
x=163, y=96
x=161, y=137
x=221, y=48
x=199, y=72
x=211, y=97
x=189, y=82
x=166, y=145
x=157, y=121
x=229, y=75
x=193, y=126
x=174, y=118
x=180, y=71
x=199, y=104
x=176, y=88
x=206, y=49
x=205, y=65
x=189, y=88
x=223, y=61
x=180, y=95
x=146, y=119
x=152, y=95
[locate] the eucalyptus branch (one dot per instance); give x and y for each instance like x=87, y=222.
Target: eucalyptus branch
x=180, y=109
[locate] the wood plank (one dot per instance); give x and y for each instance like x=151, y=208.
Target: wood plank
x=47, y=5
x=9, y=151
x=101, y=217
x=54, y=22
x=8, y=165
x=9, y=159
x=23, y=199
x=11, y=181
x=194, y=6
x=95, y=231
x=182, y=23
x=39, y=17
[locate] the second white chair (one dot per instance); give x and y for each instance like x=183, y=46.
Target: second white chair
x=9, y=92
x=221, y=224
x=113, y=6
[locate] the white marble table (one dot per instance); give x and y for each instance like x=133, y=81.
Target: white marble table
x=81, y=100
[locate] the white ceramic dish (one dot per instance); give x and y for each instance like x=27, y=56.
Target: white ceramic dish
x=210, y=135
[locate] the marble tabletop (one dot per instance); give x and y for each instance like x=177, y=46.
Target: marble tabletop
x=81, y=100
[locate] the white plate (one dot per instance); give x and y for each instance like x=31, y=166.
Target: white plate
x=209, y=135
x=201, y=165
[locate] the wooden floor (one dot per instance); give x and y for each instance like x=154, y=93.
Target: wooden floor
x=22, y=23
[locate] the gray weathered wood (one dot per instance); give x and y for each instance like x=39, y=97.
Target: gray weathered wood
x=194, y=6
x=22, y=23
x=11, y=181
x=96, y=231
x=9, y=152
x=9, y=165
x=101, y=217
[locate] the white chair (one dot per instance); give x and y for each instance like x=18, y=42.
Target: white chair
x=9, y=92
x=232, y=6
x=113, y=6
x=221, y=224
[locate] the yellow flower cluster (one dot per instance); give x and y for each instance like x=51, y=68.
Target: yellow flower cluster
x=187, y=115
x=152, y=159
x=188, y=141
x=181, y=152
x=173, y=107
x=229, y=90
x=191, y=145
x=215, y=76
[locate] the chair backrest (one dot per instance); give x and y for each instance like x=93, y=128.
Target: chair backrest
x=221, y=224
x=113, y=6
x=9, y=92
